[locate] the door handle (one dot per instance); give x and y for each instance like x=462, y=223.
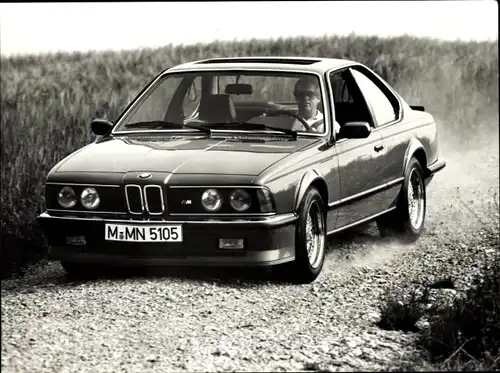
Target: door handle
x=378, y=148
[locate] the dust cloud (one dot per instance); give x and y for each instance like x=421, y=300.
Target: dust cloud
x=460, y=198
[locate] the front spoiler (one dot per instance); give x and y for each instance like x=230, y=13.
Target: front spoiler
x=249, y=259
x=268, y=241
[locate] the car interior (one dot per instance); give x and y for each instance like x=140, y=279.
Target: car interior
x=349, y=105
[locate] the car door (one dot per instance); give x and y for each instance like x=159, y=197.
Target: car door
x=386, y=109
x=361, y=161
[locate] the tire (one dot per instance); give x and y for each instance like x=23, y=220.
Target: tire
x=406, y=222
x=310, y=229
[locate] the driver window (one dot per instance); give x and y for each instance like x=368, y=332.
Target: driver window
x=192, y=98
x=348, y=107
x=340, y=90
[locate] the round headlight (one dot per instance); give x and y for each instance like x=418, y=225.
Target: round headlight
x=90, y=198
x=66, y=197
x=211, y=200
x=240, y=200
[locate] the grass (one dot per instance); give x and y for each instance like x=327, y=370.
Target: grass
x=401, y=310
x=48, y=101
x=464, y=334
x=467, y=333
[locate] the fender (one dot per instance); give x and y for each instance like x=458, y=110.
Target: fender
x=414, y=146
x=307, y=179
x=60, y=163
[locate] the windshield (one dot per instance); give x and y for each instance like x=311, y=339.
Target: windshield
x=239, y=100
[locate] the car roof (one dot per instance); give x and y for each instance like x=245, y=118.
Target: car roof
x=305, y=64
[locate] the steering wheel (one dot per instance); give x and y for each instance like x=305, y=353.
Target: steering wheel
x=273, y=113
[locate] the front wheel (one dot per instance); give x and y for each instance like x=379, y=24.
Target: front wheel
x=310, y=240
x=407, y=220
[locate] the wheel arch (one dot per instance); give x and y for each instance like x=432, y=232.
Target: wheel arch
x=311, y=178
x=417, y=150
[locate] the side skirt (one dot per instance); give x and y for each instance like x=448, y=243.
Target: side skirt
x=365, y=220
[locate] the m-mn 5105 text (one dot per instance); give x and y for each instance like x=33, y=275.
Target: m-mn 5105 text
x=152, y=233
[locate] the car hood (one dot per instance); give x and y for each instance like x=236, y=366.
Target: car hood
x=183, y=154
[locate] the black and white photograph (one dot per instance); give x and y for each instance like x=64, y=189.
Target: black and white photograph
x=250, y=186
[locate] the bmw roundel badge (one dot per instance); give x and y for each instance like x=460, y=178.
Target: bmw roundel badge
x=145, y=175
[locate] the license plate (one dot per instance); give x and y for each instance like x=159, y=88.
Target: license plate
x=143, y=233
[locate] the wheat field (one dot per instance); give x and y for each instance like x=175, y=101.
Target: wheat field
x=48, y=102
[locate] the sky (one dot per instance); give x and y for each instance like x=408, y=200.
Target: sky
x=27, y=28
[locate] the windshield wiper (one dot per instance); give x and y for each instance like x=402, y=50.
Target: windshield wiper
x=253, y=126
x=165, y=124
x=265, y=126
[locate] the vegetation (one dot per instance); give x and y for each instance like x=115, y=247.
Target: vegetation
x=48, y=101
x=461, y=333
x=464, y=335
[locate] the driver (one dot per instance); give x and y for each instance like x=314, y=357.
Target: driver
x=308, y=95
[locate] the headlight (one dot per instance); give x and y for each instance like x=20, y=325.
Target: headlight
x=265, y=200
x=211, y=200
x=90, y=198
x=240, y=200
x=66, y=197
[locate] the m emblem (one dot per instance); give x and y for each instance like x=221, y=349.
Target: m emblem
x=145, y=175
x=186, y=202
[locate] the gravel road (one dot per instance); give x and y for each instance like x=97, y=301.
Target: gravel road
x=214, y=320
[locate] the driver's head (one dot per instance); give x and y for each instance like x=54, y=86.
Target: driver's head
x=307, y=94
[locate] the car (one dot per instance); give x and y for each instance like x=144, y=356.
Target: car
x=217, y=162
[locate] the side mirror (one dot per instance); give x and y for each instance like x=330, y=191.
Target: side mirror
x=101, y=127
x=355, y=130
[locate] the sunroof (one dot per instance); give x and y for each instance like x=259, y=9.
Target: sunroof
x=291, y=61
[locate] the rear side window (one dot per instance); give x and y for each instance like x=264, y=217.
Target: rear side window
x=382, y=109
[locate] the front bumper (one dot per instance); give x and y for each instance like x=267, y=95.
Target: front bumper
x=267, y=241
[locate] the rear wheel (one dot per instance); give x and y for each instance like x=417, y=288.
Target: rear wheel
x=407, y=220
x=310, y=240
